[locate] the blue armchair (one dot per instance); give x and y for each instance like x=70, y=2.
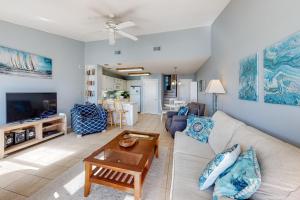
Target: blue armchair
x=87, y=119
x=178, y=123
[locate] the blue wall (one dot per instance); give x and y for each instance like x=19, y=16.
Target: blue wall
x=243, y=28
x=67, y=55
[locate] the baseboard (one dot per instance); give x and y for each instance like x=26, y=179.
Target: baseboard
x=69, y=129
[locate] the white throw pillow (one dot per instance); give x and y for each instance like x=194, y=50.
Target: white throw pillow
x=218, y=165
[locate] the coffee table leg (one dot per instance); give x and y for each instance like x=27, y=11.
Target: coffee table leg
x=157, y=150
x=137, y=187
x=87, y=185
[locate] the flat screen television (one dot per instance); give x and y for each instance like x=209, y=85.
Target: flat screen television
x=26, y=106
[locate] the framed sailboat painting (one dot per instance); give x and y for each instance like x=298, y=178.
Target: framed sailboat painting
x=16, y=62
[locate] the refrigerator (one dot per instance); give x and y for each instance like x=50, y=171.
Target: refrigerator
x=135, y=96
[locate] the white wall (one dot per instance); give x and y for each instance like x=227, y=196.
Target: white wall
x=187, y=49
x=66, y=55
x=246, y=27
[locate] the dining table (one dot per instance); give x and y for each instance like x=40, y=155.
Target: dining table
x=176, y=105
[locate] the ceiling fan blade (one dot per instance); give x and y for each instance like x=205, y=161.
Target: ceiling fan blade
x=111, y=38
x=132, y=37
x=125, y=25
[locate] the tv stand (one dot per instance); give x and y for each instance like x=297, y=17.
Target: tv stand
x=44, y=129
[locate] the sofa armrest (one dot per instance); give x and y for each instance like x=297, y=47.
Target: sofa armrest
x=170, y=114
x=177, y=118
x=101, y=112
x=178, y=124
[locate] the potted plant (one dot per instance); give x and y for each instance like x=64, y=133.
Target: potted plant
x=125, y=94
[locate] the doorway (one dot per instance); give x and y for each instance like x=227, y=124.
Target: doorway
x=150, y=96
x=184, y=90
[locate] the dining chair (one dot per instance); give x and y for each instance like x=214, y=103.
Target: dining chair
x=163, y=111
x=172, y=102
x=109, y=107
x=120, y=113
x=178, y=104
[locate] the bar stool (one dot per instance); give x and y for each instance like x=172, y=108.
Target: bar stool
x=120, y=113
x=109, y=107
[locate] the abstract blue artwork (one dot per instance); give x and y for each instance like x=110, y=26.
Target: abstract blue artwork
x=282, y=72
x=21, y=63
x=248, y=79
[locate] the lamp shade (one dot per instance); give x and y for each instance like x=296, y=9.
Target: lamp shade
x=215, y=86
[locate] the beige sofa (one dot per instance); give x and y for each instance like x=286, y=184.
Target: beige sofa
x=279, y=161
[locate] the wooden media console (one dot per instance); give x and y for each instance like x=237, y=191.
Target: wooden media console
x=43, y=129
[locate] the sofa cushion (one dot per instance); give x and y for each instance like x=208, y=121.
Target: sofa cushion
x=186, y=169
x=218, y=165
x=199, y=128
x=279, y=163
x=187, y=145
x=183, y=111
x=241, y=180
x=224, y=127
x=196, y=108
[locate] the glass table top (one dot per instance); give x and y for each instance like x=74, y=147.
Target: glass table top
x=117, y=156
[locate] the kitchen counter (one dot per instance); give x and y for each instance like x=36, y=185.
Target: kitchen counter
x=132, y=112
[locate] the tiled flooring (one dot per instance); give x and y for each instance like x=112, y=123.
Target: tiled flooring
x=25, y=172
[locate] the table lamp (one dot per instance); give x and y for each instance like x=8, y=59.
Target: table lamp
x=215, y=87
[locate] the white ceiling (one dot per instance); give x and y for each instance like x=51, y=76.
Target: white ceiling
x=84, y=19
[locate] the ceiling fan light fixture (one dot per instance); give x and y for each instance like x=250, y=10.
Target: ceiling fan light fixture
x=139, y=74
x=130, y=69
x=113, y=29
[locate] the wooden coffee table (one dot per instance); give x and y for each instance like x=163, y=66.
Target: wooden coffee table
x=122, y=168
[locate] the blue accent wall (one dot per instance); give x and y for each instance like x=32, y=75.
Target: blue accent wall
x=66, y=54
x=243, y=28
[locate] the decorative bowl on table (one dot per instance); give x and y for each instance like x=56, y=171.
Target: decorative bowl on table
x=128, y=142
x=126, y=136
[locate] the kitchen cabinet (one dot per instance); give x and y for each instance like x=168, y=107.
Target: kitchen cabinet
x=117, y=84
x=124, y=85
x=107, y=83
x=111, y=83
x=104, y=83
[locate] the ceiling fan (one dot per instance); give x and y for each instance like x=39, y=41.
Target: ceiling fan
x=113, y=29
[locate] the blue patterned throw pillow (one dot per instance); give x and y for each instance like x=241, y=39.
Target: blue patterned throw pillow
x=241, y=180
x=199, y=128
x=218, y=165
x=183, y=111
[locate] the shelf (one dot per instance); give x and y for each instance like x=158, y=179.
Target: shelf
x=52, y=126
x=18, y=125
x=57, y=123
x=53, y=135
x=28, y=143
x=22, y=145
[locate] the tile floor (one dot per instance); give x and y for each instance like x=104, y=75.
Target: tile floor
x=27, y=171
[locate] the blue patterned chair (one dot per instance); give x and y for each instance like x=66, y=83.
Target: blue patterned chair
x=87, y=119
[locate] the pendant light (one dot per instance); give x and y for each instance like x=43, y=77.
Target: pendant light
x=174, y=82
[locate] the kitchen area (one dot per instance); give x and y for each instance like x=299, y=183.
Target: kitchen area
x=128, y=92
x=123, y=93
